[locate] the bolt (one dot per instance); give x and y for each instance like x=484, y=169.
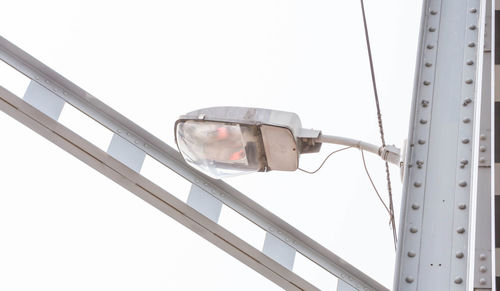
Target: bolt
x=472, y=27
x=473, y=10
x=411, y=254
x=427, y=83
x=430, y=46
x=459, y=255
x=482, y=281
x=465, y=141
x=413, y=229
x=425, y=103
x=482, y=269
x=462, y=183
x=415, y=206
x=419, y=164
x=468, y=81
x=462, y=206
x=482, y=257
x=409, y=279
x=466, y=120
x=461, y=230
x=421, y=141
x=458, y=280
x=428, y=65
x=470, y=62
x=482, y=136
x=432, y=29
x=417, y=184
x=471, y=44
x=482, y=149
x=467, y=101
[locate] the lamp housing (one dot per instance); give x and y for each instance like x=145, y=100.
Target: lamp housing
x=229, y=141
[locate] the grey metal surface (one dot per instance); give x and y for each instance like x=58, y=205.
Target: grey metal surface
x=43, y=99
x=168, y=156
x=148, y=191
x=279, y=251
x=484, y=275
x=127, y=153
x=342, y=286
x=205, y=203
x=438, y=205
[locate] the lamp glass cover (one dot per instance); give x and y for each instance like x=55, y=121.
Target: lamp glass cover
x=221, y=149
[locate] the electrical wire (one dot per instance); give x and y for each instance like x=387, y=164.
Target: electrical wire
x=373, y=184
x=324, y=161
x=381, y=127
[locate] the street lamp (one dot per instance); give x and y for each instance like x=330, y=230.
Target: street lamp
x=229, y=141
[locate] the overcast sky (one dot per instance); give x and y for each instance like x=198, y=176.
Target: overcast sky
x=63, y=226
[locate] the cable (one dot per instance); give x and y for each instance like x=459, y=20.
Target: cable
x=381, y=127
x=329, y=155
x=373, y=184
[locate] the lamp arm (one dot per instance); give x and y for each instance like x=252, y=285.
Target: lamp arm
x=388, y=153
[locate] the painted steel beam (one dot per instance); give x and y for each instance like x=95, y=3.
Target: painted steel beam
x=169, y=157
x=437, y=226
x=148, y=191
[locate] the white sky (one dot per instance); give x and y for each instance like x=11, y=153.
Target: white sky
x=64, y=226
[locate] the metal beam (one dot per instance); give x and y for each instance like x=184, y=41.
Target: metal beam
x=148, y=191
x=437, y=226
x=169, y=157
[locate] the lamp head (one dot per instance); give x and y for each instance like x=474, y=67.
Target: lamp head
x=229, y=141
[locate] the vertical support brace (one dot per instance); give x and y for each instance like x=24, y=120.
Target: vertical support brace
x=127, y=153
x=437, y=226
x=44, y=100
x=204, y=203
x=279, y=251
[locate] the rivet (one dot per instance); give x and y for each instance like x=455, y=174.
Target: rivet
x=482, y=160
x=47, y=81
x=459, y=255
x=65, y=93
x=136, y=142
x=461, y=230
x=119, y=130
x=467, y=101
x=428, y=65
x=473, y=10
x=411, y=254
x=421, y=141
x=462, y=206
x=482, y=281
x=465, y=140
x=468, y=81
x=470, y=62
x=434, y=12
x=482, y=269
x=419, y=164
x=482, y=149
x=423, y=121
x=482, y=136
x=146, y=145
x=38, y=78
x=471, y=44
x=409, y=279
x=432, y=29
x=413, y=229
x=458, y=280
x=466, y=120
x=425, y=103
x=482, y=257
x=462, y=184
x=430, y=46
x=427, y=83
x=415, y=206
x=472, y=27
x=464, y=162
x=417, y=184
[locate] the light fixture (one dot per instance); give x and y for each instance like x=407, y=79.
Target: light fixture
x=229, y=141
